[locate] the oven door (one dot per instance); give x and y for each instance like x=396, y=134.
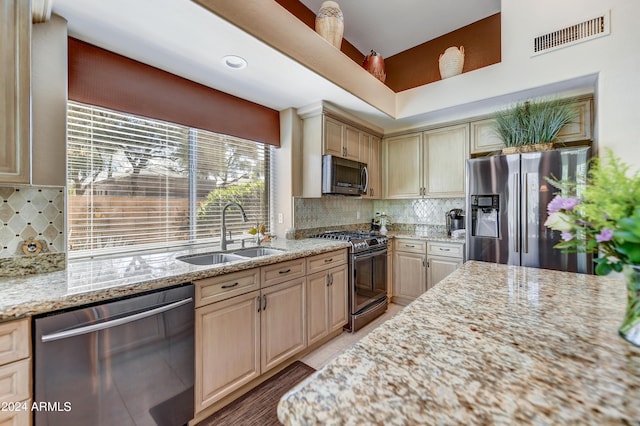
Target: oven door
x=368, y=279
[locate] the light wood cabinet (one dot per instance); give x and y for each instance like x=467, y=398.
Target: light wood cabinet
x=484, y=138
x=227, y=345
x=282, y=322
x=445, y=153
x=341, y=139
x=327, y=130
x=327, y=294
x=427, y=164
x=410, y=270
x=15, y=127
x=374, y=167
x=15, y=371
x=442, y=259
x=403, y=166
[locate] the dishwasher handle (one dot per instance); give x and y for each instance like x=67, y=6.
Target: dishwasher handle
x=113, y=323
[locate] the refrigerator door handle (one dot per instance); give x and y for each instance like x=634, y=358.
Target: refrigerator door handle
x=516, y=206
x=525, y=209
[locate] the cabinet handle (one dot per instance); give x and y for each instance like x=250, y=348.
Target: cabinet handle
x=328, y=260
x=258, y=298
x=330, y=278
x=229, y=285
x=286, y=271
x=264, y=308
x=444, y=249
x=410, y=246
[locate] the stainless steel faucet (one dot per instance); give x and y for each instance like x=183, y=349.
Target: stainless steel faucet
x=223, y=230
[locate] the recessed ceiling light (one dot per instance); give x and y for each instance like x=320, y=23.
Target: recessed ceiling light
x=234, y=62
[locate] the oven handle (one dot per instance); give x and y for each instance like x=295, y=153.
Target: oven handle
x=369, y=254
x=113, y=323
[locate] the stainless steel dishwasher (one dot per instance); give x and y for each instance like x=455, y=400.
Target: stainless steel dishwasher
x=126, y=362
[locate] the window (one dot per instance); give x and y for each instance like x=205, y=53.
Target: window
x=136, y=183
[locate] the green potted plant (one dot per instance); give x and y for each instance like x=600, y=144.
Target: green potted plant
x=602, y=216
x=533, y=125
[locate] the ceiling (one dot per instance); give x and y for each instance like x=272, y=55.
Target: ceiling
x=183, y=38
x=390, y=27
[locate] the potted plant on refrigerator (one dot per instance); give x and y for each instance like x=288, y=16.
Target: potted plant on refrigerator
x=533, y=125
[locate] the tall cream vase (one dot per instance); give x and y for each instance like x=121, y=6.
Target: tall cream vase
x=330, y=23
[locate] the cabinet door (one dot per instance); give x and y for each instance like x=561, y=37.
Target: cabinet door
x=317, y=306
x=410, y=279
x=445, y=154
x=15, y=19
x=351, y=143
x=338, y=298
x=375, y=168
x=484, y=137
x=227, y=347
x=403, y=166
x=440, y=267
x=333, y=135
x=580, y=128
x=283, y=323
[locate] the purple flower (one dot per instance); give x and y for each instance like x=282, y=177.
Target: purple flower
x=567, y=236
x=559, y=203
x=604, y=235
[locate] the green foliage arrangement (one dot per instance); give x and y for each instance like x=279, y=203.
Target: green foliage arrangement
x=533, y=122
x=601, y=215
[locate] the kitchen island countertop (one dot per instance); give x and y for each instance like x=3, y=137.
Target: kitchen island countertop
x=93, y=280
x=490, y=344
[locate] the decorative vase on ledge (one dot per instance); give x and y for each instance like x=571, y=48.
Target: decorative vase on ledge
x=374, y=63
x=330, y=23
x=451, y=62
x=630, y=328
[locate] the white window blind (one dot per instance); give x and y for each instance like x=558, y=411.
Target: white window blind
x=136, y=183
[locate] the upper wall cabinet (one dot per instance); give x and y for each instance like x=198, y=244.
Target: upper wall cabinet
x=484, y=139
x=15, y=109
x=426, y=164
x=328, y=131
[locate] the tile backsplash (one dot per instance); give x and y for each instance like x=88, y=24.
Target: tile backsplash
x=31, y=213
x=336, y=212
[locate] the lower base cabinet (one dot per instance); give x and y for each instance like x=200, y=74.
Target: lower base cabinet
x=440, y=267
x=249, y=322
x=283, y=325
x=327, y=302
x=227, y=347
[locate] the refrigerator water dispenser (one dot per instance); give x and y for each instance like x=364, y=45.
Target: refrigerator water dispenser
x=485, y=214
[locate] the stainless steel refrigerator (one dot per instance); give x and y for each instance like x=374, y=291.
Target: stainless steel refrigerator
x=506, y=200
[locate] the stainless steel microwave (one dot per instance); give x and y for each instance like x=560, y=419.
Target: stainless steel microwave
x=342, y=176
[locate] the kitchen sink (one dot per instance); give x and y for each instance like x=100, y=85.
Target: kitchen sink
x=211, y=258
x=257, y=251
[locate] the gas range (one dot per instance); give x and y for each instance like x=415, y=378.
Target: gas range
x=360, y=240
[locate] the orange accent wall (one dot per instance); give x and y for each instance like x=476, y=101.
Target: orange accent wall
x=419, y=65
x=103, y=78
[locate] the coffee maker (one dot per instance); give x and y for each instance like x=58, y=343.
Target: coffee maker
x=455, y=220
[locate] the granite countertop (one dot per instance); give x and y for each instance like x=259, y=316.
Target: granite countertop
x=88, y=281
x=438, y=237
x=490, y=344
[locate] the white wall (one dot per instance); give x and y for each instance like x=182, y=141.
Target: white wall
x=609, y=66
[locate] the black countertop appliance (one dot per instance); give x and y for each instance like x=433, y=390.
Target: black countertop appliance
x=455, y=220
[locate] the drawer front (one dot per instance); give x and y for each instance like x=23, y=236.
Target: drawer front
x=225, y=286
x=323, y=261
x=410, y=246
x=281, y=272
x=445, y=249
x=14, y=340
x=15, y=381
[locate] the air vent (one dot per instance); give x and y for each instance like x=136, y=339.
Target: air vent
x=587, y=30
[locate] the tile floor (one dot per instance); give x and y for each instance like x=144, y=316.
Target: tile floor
x=325, y=353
